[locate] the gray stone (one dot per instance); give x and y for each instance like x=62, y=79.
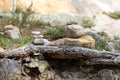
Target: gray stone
x=74, y=31
x=38, y=41
x=13, y=34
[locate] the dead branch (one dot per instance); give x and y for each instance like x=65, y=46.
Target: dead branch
x=66, y=52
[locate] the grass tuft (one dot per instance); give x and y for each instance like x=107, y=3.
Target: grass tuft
x=87, y=22
x=105, y=35
x=116, y=38
x=56, y=32
x=6, y=43
x=114, y=15
x=101, y=45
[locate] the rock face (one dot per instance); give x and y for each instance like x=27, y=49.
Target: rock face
x=74, y=31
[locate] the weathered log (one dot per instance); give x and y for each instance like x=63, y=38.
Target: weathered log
x=66, y=52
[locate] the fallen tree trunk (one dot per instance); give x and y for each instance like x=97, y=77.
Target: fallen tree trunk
x=66, y=52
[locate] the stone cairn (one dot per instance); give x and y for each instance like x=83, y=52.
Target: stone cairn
x=38, y=38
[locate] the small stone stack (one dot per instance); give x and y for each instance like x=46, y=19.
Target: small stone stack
x=37, y=38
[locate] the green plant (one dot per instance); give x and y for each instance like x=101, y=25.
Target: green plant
x=104, y=34
x=5, y=42
x=87, y=22
x=116, y=38
x=101, y=45
x=56, y=32
x=25, y=13
x=117, y=48
x=21, y=41
x=18, y=18
x=36, y=23
x=5, y=20
x=114, y=15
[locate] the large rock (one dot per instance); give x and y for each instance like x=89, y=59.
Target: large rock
x=13, y=34
x=74, y=31
x=11, y=27
x=85, y=41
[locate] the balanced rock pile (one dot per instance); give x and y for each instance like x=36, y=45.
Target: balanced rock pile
x=38, y=38
x=75, y=36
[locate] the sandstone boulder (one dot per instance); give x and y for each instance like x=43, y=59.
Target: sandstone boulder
x=85, y=41
x=74, y=31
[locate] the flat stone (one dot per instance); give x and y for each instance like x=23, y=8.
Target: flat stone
x=36, y=33
x=37, y=36
x=38, y=41
x=9, y=27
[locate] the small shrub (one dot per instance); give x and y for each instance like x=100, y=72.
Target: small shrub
x=114, y=15
x=18, y=18
x=87, y=22
x=25, y=13
x=56, y=32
